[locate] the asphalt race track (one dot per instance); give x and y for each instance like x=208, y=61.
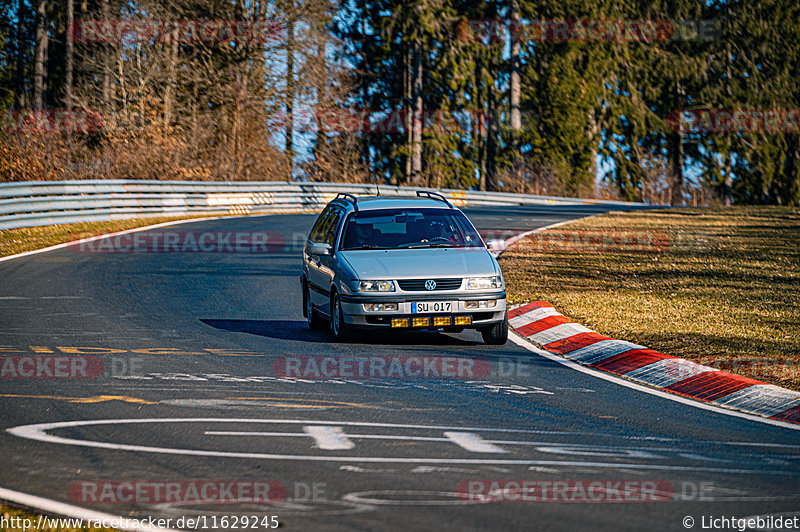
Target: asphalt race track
x=182, y=351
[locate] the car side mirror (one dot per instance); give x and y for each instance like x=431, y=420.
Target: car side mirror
x=496, y=246
x=320, y=249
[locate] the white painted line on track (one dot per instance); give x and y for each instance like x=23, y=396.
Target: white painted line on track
x=520, y=236
x=38, y=432
x=472, y=442
x=329, y=438
x=522, y=342
x=75, y=512
x=107, y=235
x=138, y=229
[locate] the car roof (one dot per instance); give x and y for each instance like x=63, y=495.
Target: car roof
x=372, y=203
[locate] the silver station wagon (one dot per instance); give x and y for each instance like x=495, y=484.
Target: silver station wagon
x=403, y=264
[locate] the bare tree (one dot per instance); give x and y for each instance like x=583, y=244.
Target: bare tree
x=19, y=90
x=69, y=53
x=39, y=67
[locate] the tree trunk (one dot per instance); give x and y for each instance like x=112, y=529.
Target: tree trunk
x=170, y=88
x=407, y=107
x=39, y=67
x=416, y=119
x=322, y=99
x=290, y=91
x=515, y=91
x=491, y=140
x=19, y=84
x=676, y=163
x=676, y=155
x=106, y=65
x=69, y=52
x=727, y=183
x=363, y=81
x=479, y=120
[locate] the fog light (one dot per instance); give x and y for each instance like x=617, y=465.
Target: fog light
x=377, y=307
x=441, y=321
x=420, y=322
x=400, y=322
x=480, y=304
x=463, y=320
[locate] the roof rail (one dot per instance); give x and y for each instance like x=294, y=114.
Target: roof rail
x=433, y=196
x=351, y=197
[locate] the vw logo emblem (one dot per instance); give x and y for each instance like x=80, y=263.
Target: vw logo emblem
x=430, y=284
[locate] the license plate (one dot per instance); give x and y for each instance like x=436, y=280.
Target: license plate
x=424, y=307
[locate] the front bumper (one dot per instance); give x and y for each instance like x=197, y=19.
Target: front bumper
x=353, y=312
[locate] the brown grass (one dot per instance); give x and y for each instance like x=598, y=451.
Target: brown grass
x=13, y=241
x=716, y=286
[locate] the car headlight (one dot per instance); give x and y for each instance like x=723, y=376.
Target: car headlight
x=375, y=286
x=483, y=283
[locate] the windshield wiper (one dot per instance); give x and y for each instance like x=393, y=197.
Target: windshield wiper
x=365, y=246
x=433, y=245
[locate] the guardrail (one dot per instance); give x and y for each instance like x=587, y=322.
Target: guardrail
x=32, y=203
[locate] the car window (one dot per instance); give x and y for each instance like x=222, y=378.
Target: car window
x=408, y=228
x=332, y=225
x=317, y=231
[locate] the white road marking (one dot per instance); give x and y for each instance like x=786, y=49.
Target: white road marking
x=448, y=498
x=76, y=512
x=472, y=442
x=359, y=469
x=38, y=432
x=329, y=438
x=240, y=433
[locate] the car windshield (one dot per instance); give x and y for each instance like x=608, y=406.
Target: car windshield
x=407, y=229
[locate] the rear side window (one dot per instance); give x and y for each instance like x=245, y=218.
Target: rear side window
x=332, y=224
x=317, y=232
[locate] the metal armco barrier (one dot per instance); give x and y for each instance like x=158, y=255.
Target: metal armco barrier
x=32, y=203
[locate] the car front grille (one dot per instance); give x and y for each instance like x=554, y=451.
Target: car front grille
x=418, y=285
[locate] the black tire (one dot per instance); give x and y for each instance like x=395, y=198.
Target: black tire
x=315, y=323
x=339, y=329
x=496, y=334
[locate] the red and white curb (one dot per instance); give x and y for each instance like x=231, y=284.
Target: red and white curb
x=543, y=325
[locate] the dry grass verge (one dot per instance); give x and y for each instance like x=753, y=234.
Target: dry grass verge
x=716, y=286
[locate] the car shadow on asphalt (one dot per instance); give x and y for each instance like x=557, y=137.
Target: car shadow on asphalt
x=298, y=330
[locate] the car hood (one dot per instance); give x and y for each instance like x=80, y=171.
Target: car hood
x=420, y=263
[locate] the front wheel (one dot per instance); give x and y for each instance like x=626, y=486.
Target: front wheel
x=339, y=329
x=496, y=334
